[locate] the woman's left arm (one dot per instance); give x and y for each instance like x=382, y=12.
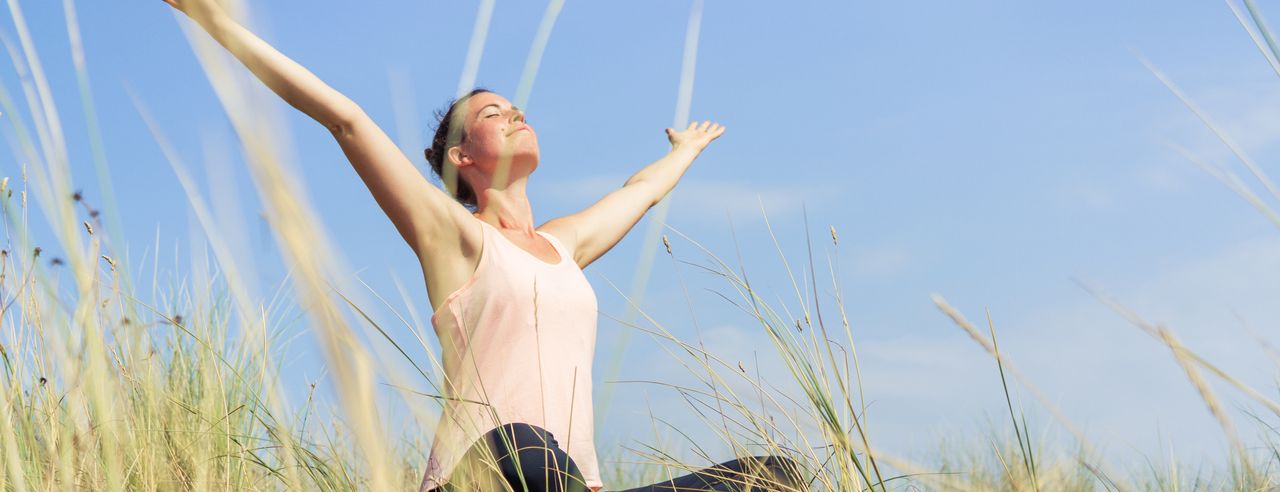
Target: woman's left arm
x=594, y=231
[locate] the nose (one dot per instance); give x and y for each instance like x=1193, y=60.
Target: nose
x=517, y=115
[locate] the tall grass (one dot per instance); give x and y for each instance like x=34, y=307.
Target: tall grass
x=111, y=382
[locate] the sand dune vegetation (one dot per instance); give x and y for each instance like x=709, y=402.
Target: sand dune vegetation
x=127, y=368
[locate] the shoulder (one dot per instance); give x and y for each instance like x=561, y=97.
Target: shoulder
x=563, y=230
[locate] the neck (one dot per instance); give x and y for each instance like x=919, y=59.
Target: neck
x=507, y=207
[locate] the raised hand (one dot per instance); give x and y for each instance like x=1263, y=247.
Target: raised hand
x=420, y=211
x=196, y=9
x=696, y=137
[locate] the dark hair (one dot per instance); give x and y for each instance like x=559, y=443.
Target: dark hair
x=451, y=131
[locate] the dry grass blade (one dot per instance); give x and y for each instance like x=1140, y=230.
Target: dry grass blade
x=1217, y=130
x=1206, y=394
x=254, y=331
x=1259, y=30
x=1007, y=365
x=312, y=260
x=475, y=48
x=1154, y=331
x=658, y=216
x=1232, y=181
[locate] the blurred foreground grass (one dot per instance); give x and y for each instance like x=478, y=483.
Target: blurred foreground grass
x=177, y=385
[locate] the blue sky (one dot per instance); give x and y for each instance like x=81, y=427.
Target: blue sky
x=991, y=152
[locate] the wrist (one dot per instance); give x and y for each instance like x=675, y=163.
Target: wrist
x=686, y=148
x=210, y=19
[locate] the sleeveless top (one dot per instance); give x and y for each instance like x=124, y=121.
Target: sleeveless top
x=517, y=341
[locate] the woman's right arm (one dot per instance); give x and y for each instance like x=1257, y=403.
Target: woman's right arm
x=419, y=210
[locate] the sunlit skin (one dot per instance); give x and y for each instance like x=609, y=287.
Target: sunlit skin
x=442, y=233
x=496, y=157
x=496, y=130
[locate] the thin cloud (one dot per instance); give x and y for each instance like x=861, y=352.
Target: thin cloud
x=881, y=261
x=700, y=200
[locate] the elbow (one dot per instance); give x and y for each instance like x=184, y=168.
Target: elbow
x=342, y=119
x=634, y=180
x=653, y=193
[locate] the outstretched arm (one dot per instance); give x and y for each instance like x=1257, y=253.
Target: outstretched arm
x=418, y=209
x=595, y=230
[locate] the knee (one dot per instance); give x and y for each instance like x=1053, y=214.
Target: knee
x=522, y=445
x=529, y=459
x=782, y=469
x=520, y=428
x=518, y=435
x=779, y=462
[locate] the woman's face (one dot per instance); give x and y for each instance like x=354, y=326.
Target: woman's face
x=497, y=135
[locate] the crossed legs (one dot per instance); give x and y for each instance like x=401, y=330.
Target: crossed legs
x=528, y=458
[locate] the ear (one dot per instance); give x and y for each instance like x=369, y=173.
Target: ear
x=456, y=156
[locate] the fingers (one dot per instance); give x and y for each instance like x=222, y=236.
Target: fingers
x=706, y=128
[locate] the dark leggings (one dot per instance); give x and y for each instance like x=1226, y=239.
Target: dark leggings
x=539, y=465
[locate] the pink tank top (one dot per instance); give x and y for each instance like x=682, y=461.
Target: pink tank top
x=520, y=336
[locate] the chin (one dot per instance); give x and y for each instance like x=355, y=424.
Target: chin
x=527, y=162
x=527, y=157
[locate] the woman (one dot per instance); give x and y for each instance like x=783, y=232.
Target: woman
x=515, y=315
